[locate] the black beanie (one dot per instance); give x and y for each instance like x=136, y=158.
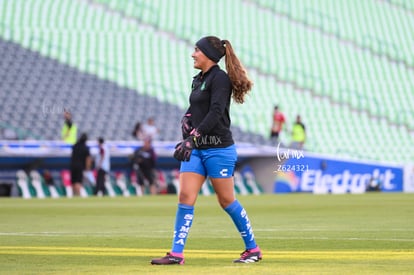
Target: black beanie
x=212, y=53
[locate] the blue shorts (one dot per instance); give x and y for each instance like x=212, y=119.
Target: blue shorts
x=214, y=162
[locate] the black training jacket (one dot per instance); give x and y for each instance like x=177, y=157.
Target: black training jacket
x=210, y=108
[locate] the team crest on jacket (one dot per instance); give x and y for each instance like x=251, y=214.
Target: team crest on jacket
x=203, y=86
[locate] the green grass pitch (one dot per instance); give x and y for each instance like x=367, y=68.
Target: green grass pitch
x=298, y=233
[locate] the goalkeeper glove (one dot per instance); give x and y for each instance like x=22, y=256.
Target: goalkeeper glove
x=184, y=149
x=186, y=126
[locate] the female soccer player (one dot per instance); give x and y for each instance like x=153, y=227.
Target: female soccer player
x=208, y=148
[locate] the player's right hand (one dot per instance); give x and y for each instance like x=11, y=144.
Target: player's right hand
x=186, y=126
x=184, y=149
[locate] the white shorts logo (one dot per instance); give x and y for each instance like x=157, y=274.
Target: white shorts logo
x=223, y=172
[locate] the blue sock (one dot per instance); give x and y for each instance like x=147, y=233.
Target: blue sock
x=183, y=221
x=242, y=222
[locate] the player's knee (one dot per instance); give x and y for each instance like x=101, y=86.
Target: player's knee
x=187, y=198
x=225, y=201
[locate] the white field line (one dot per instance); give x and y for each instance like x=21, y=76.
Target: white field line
x=167, y=235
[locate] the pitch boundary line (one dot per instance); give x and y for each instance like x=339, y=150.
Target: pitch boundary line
x=210, y=254
x=97, y=234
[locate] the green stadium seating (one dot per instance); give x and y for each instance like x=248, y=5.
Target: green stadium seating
x=345, y=66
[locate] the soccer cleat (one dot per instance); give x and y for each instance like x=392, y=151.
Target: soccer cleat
x=250, y=256
x=168, y=259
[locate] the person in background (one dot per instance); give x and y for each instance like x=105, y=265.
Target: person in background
x=103, y=165
x=69, y=132
x=208, y=149
x=47, y=176
x=144, y=164
x=137, y=132
x=149, y=129
x=298, y=134
x=80, y=162
x=277, y=124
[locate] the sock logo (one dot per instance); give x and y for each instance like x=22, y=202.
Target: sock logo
x=248, y=225
x=185, y=228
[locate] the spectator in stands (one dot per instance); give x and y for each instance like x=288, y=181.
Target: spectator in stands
x=9, y=134
x=137, y=132
x=277, y=124
x=298, y=134
x=69, y=130
x=144, y=164
x=103, y=165
x=149, y=129
x=208, y=148
x=47, y=176
x=80, y=162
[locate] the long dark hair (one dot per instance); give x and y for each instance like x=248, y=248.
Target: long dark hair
x=235, y=69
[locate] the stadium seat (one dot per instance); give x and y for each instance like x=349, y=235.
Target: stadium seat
x=335, y=62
